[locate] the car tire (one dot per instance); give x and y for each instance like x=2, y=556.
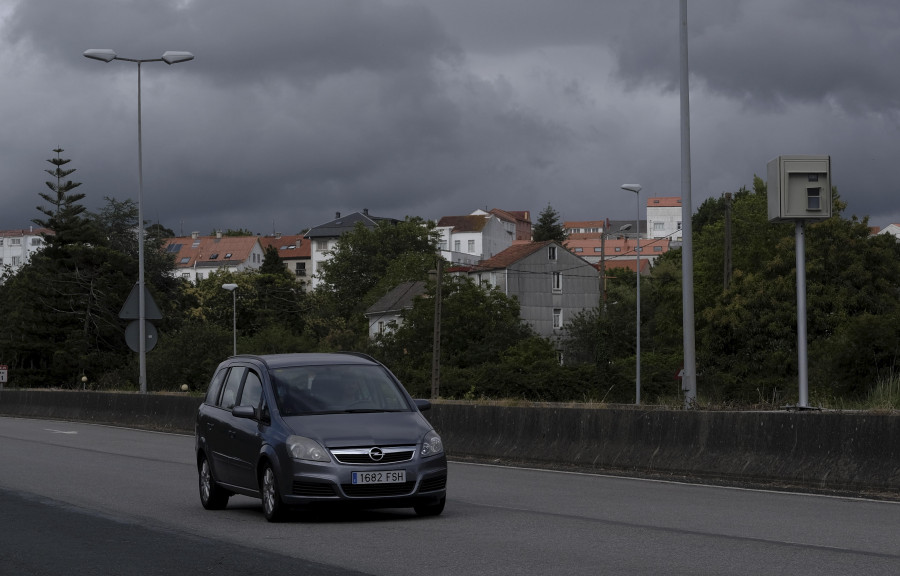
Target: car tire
x=212, y=496
x=434, y=509
x=273, y=507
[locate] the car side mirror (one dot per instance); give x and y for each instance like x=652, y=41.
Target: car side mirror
x=244, y=412
x=422, y=404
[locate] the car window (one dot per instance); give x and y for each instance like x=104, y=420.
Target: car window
x=215, y=385
x=232, y=385
x=252, y=392
x=336, y=388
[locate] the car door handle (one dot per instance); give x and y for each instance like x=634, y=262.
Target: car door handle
x=210, y=425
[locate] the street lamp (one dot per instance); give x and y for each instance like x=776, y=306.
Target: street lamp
x=233, y=289
x=106, y=55
x=636, y=188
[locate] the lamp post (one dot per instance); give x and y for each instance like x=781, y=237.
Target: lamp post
x=636, y=188
x=106, y=55
x=233, y=289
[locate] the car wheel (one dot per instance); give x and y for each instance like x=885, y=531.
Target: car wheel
x=431, y=509
x=273, y=507
x=212, y=496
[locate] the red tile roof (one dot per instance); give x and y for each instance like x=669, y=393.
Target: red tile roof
x=511, y=255
x=290, y=247
x=210, y=250
x=664, y=202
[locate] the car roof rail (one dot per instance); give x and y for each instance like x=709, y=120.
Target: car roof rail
x=360, y=355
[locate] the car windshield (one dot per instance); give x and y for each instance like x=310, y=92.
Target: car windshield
x=336, y=388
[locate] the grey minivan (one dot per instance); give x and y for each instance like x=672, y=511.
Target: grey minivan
x=307, y=429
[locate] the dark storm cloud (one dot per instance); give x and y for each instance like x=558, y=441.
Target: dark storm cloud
x=294, y=109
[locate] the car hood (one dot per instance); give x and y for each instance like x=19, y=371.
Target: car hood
x=361, y=429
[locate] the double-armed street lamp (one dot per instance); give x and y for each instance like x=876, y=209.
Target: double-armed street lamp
x=233, y=289
x=636, y=188
x=106, y=55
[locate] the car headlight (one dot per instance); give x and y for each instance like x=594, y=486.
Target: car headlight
x=431, y=444
x=302, y=448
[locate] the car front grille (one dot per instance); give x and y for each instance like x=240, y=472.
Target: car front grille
x=389, y=455
x=372, y=490
x=433, y=484
x=302, y=488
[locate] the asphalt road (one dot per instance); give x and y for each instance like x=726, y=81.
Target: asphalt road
x=80, y=499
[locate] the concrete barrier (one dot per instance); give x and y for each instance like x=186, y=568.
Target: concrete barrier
x=839, y=452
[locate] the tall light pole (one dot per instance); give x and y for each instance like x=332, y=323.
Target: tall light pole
x=106, y=55
x=233, y=289
x=636, y=188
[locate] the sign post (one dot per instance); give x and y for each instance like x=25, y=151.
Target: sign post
x=3, y=375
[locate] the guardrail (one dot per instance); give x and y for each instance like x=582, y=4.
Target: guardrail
x=839, y=452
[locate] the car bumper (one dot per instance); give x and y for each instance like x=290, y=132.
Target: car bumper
x=310, y=483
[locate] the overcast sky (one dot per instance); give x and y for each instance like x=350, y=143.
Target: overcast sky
x=296, y=109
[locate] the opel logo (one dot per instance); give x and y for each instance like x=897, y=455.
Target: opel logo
x=376, y=454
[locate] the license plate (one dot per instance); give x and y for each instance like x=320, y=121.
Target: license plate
x=379, y=477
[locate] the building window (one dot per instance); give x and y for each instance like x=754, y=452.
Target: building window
x=321, y=245
x=598, y=249
x=679, y=225
x=37, y=241
x=380, y=327
x=15, y=241
x=214, y=256
x=199, y=275
x=186, y=259
x=1, y=241
x=185, y=275
x=579, y=249
x=618, y=248
x=300, y=268
x=658, y=226
x=456, y=246
x=657, y=248
x=551, y=252
x=471, y=247
x=557, y=318
x=557, y=282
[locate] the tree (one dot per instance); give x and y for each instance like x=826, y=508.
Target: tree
x=477, y=326
x=363, y=257
x=548, y=226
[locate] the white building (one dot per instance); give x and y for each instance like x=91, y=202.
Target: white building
x=664, y=218
x=468, y=239
x=17, y=246
x=323, y=238
x=893, y=230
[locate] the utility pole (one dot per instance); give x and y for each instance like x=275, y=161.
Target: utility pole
x=727, y=272
x=436, y=349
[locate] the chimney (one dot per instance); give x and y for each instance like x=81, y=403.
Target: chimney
x=337, y=215
x=218, y=234
x=195, y=235
x=366, y=211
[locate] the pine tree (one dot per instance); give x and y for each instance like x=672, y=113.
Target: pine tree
x=548, y=226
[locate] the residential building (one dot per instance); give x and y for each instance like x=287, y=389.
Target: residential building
x=469, y=239
x=17, y=246
x=323, y=238
x=294, y=252
x=617, y=247
x=517, y=222
x=664, y=217
x=196, y=257
x=384, y=316
x=550, y=283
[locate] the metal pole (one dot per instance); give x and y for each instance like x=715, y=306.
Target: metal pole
x=234, y=318
x=637, y=229
x=800, y=247
x=689, y=375
x=142, y=311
